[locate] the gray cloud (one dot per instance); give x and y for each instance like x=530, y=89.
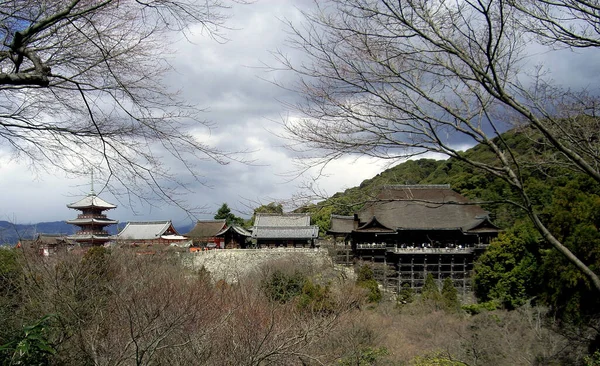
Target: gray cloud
x=227, y=80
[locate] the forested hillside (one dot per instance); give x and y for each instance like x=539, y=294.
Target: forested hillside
x=543, y=179
x=520, y=266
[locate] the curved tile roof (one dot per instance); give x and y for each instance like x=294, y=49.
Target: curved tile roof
x=207, y=228
x=147, y=230
x=423, y=208
x=281, y=232
x=91, y=200
x=297, y=220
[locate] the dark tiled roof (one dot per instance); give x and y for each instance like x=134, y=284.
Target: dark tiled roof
x=207, y=228
x=341, y=224
x=238, y=229
x=281, y=232
x=287, y=220
x=423, y=207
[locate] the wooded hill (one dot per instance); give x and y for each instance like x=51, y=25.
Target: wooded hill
x=520, y=266
x=543, y=175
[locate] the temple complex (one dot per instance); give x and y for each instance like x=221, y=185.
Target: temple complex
x=415, y=230
x=92, y=221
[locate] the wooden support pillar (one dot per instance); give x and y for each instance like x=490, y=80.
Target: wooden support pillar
x=384, y=272
x=412, y=272
x=464, y=276
x=399, y=284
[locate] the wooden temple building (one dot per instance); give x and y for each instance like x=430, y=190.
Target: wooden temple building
x=216, y=234
x=91, y=221
x=150, y=233
x=284, y=230
x=414, y=230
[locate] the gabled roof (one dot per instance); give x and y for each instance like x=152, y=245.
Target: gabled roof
x=91, y=200
x=423, y=207
x=282, y=220
x=235, y=228
x=51, y=239
x=341, y=224
x=147, y=230
x=375, y=226
x=207, y=228
x=282, y=232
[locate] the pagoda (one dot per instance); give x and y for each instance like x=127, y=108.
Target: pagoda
x=92, y=220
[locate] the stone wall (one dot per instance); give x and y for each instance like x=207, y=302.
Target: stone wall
x=232, y=265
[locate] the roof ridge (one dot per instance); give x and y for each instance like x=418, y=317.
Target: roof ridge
x=149, y=222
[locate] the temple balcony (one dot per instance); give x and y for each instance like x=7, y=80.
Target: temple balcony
x=92, y=232
x=91, y=216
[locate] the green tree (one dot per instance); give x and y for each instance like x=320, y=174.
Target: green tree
x=224, y=212
x=366, y=280
x=574, y=214
x=406, y=295
x=430, y=293
x=450, y=295
x=507, y=270
x=10, y=291
x=395, y=79
x=282, y=287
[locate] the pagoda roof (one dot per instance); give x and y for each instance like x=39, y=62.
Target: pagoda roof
x=89, y=221
x=91, y=200
x=79, y=237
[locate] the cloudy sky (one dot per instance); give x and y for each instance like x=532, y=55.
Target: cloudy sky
x=227, y=80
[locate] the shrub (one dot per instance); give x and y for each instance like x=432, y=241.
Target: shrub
x=282, y=287
x=366, y=280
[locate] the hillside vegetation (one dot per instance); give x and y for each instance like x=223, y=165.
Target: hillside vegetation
x=519, y=267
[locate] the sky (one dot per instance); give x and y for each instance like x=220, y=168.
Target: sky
x=228, y=81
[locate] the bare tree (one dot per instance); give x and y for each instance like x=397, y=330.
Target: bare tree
x=398, y=79
x=81, y=87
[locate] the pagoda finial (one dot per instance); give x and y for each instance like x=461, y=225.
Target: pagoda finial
x=92, y=193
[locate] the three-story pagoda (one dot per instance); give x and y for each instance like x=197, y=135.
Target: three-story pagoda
x=92, y=221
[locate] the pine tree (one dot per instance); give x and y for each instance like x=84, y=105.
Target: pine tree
x=450, y=295
x=430, y=292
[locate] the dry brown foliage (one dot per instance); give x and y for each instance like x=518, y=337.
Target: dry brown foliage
x=119, y=308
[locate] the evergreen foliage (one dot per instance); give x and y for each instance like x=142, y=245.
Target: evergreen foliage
x=225, y=213
x=430, y=292
x=450, y=295
x=406, y=295
x=282, y=287
x=507, y=270
x=366, y=280
x=519, y=265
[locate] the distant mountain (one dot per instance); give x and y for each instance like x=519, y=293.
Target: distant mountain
x=184, y=228
x=11, y=233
